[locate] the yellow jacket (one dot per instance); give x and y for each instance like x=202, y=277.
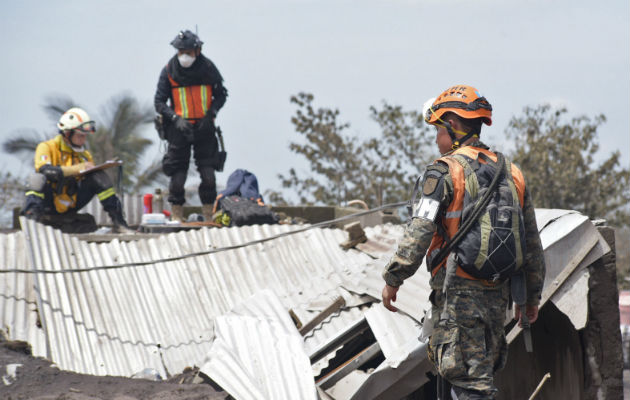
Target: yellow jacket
x=57, y=153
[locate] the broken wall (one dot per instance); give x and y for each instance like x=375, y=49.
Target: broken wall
x=557, y=350
x=585, y=364
x=601, y=337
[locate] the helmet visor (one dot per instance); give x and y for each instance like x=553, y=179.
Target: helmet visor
x=87, y=127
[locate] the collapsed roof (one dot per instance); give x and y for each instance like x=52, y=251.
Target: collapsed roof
x=166, y=303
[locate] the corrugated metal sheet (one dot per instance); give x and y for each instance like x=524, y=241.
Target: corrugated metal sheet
x=567, y=237
x=132, y=206
x=571, y=243
x=120, y=321
x=393, y=331
x=18, y=305
x=161, y=316
x=259, y=354
x=382, y=240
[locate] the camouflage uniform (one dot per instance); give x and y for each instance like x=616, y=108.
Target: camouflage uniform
x=468, y=342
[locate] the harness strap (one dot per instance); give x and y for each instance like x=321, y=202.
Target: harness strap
x=474, y=215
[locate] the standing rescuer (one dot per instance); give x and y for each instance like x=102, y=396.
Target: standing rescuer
x=467, y=344
x=56, y=187
x=194, y=87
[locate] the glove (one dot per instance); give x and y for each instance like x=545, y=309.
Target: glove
x=207, y=122
x=181, y=124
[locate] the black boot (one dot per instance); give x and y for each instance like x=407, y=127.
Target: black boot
x=120, y=225
x=113, y=207
x=33, y=208
x=33, y=213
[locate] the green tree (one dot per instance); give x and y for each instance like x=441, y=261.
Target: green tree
x=118, y=134
x=23, y=141
x=343, y=167
x=393, y=161
x=331, y=154
x=557, y=156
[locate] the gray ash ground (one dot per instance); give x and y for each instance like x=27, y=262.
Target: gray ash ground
x=36, y=378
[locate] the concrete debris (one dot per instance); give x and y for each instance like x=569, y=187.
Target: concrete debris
x=11, y=374
x=356, y=235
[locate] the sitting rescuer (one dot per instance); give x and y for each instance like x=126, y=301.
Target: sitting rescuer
x=56, y=189
x=195, y=89
x=467, y=345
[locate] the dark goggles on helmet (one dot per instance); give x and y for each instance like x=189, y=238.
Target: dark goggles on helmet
x=478, y=103
x=186, y=40
x=86, y=127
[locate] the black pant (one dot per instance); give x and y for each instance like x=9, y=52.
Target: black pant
x=86, y=188
x=177, y=158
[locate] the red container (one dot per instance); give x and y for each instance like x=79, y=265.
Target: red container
x=148, y=203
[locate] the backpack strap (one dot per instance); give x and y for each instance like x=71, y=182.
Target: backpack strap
x=517, y=201
x=475, y=213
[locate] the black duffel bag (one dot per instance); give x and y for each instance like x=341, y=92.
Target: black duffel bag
x=244, y=211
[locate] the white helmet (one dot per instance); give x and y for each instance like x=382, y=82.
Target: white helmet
x=76, y=118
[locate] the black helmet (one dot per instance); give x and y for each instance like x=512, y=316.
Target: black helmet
x=186, y=40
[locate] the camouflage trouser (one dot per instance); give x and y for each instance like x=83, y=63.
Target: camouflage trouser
x=468, y=342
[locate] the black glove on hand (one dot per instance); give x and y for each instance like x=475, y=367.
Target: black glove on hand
x=182, y=125
x=207, y=122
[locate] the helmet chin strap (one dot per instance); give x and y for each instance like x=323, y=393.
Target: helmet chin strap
x=74, y=147
x=453, y=134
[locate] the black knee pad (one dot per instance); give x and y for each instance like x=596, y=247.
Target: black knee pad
x=52, y=173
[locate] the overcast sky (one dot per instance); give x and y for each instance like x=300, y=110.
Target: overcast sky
x=349, y=54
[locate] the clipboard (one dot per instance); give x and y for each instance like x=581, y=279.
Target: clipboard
x=107, y=164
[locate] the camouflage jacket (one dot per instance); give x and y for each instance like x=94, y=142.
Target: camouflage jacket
x=419, y=233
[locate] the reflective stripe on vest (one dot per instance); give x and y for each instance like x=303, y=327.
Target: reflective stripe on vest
x=452, y=218
x=190, y=102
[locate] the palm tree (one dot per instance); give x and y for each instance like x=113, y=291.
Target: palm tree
x=25, y=140
x=117, y=135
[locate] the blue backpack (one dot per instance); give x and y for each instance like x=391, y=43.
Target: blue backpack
x=242, y=201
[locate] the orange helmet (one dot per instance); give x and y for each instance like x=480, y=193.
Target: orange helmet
x=463, y=100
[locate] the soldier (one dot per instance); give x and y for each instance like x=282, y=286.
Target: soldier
x=194, y=87
x=57, y=191
x=467, y=345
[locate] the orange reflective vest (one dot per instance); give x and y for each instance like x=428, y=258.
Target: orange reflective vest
x=190, y=102
x=451, y=220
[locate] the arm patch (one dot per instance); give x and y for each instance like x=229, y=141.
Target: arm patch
x=430, y=183
x=432, y=192
x=433, y=179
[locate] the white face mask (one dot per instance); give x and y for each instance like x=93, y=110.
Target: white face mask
x=186, y=60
